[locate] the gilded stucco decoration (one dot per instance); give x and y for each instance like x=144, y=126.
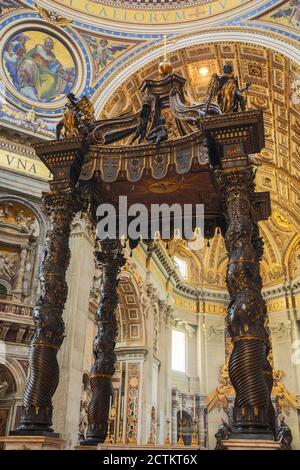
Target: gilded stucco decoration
x=285, y=400
x=53, y=17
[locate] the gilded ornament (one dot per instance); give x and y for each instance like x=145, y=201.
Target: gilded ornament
x=53, y=17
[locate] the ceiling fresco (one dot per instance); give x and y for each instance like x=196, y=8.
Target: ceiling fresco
x=287, y=14
x=38, y=66
x=49, y=48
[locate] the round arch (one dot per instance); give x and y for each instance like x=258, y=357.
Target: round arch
x=27, y=203
x=16, y=371
x=246, y=37
x=290, y=253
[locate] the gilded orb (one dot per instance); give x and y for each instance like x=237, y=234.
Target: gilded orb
x=165, y=68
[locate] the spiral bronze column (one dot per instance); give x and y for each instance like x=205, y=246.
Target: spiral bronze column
x=49, y=326
x=110, y=260
x=249, y=369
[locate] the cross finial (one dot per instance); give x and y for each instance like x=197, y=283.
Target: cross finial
x=165, y=46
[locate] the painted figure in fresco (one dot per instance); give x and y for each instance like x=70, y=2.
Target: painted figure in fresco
x=225, y=88
x=13, y=52
x=37, y=73
x=103, y=52
x=7, y=5
x=292, y=13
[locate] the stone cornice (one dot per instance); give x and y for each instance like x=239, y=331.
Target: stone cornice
x=131, y=352
x=180, y=287
x=291, y=287
x=18, y=149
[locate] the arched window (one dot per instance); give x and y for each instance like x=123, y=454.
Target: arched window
x=182, y=266
x=178, y=350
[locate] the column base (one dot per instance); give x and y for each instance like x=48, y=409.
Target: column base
x=250, y=444
x=90, y=442
x=130, y=447
x=251, y=436
x=149, y=447
x=32, y=442
x=83, y=446
x=34, y=432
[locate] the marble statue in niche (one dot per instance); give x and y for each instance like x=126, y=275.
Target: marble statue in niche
x=86, y=395
x=8, y=265
x=4, y=386
x=6, y=382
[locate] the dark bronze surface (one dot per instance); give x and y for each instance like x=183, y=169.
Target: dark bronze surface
x=49, y=325
x=61, y=203
x=110, y=259
x=249, y=369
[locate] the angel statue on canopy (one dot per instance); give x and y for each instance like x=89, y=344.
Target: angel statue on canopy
x=225, y=88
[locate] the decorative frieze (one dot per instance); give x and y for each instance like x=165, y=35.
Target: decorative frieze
x=281, y=330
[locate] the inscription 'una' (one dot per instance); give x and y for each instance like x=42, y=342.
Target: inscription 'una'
x=21, y=164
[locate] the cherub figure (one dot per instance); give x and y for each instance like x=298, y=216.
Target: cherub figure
x=103, y=52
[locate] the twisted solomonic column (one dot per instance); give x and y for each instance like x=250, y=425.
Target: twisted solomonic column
x=110, y=259
x=249, y=369
x=49, y=326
